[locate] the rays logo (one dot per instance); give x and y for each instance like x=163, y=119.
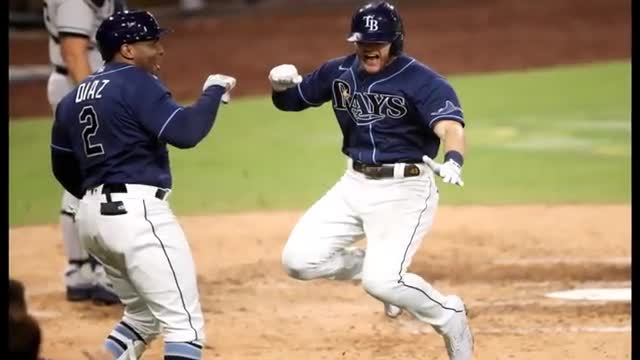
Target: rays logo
x=366, y=108
x=371, y=23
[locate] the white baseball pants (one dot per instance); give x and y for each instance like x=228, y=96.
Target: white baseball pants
x=394, y=214
x=147, y=257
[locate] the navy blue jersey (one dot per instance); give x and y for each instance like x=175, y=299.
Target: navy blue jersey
x=116, y=125
x=385, y=118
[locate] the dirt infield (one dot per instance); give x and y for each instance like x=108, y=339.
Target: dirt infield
x=453, y=37
x=501, y=260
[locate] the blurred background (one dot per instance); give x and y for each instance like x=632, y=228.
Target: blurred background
x=245, y=38
x=543, y=83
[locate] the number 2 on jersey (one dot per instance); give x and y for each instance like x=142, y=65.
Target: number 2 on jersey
x=89, y=117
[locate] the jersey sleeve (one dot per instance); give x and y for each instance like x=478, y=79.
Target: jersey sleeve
x=437, y=101
x=75, y=17
x=152, y=103
x=60, y=139
x=64, y=165
x=313, y=91
x=315, y=88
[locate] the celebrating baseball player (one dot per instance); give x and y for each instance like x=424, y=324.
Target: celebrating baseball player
x=72, y=51
x=393, y=112
x=109, y=148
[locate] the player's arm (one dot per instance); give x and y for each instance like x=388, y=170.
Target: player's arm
x=183, y=127
x=440, y=108
x=451, y=134
x=67, y=171
x=64, y=164
x=75, y=23
x=75, y=53
x=293, y=92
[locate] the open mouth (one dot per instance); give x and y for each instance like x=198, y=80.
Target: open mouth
x=371, y=59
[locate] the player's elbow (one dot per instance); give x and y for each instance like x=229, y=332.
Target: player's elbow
x=278, y=103
x=188, y=138
x=187, y=129
x=185, y=143
x=284, y=103
x=67, y=172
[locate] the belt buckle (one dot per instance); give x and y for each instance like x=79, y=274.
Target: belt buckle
x=372, y=172
x=412, y=170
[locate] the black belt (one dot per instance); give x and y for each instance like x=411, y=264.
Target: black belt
x=108, y=189
x=61, y=70
x=381, y=171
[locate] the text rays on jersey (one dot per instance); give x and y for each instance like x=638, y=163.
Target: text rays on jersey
x=365, y=108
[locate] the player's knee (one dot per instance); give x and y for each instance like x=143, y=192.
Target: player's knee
x=295, y=266
x=380, y=288
x=186, y=333
x=147, y=329
x=189, y=329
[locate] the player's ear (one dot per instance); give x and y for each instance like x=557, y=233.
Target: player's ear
x=127, y=51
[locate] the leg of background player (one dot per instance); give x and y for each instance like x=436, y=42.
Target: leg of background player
x=84, y=278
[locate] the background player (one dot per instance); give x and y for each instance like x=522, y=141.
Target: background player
x=392, y=111
x=71, y=25
x=109, y=148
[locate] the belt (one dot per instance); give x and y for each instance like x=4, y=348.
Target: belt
x=61, y=70
x=108, y=189
x=384, y=171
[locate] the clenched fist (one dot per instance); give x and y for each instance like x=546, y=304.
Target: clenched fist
x=284, y=76
x=225, y=81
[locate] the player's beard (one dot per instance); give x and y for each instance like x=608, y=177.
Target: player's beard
x=373, y=59
x=156, y=69
x=371, y=65
x=152, y=65
x=375, y=65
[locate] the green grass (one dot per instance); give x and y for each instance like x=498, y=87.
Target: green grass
x=559, y=135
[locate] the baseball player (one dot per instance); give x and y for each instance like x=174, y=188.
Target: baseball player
x=109, y=148
x=72, y=51
x=393, y=112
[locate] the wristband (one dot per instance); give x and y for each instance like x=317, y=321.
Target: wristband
x=455, y=156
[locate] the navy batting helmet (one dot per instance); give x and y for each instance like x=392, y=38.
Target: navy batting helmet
x=126, y=27
x=378, y=22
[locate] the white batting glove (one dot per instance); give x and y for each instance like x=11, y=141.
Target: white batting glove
x=225, y=81
x=284, y=76
x=450, y=171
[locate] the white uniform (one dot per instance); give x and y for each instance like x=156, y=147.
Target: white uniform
x=82, y=18
x=158, y=262
x=395, y=214
x=389, y=122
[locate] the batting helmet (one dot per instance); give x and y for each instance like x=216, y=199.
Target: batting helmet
x=378, y=22
x=126, y=27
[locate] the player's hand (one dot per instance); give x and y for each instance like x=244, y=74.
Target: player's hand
x=284, y=76
x=225, y=81
x=450, y=171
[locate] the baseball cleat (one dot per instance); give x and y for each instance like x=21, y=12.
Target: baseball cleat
x=102, y=295
x=457, y=335
x=79, y=294
x=83, y=283
x=79, y=282
x=392, y=311
x=103, y=292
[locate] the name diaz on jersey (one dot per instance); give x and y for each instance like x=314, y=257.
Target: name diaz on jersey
x=90, y=90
